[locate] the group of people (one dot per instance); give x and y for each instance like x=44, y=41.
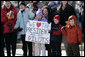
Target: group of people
x=63, y=19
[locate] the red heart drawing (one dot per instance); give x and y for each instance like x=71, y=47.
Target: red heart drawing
x=38, y=24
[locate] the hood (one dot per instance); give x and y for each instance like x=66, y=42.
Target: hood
x=73, y=17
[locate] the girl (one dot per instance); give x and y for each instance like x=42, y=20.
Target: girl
x=39, y=17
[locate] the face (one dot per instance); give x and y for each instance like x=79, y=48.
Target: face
x=56, y=21
x=8, y=4
x=45, y=12
x=39, y=17
x=64, y=3
x=72, y=22
x=22, y=7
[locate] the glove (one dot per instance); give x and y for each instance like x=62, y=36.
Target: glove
x=18, y=30
x=63, y=27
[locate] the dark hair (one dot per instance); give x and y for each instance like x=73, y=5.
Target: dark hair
x=22, y=3
x=3, y=6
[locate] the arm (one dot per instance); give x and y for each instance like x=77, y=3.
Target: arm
x=64, y=32
x=17, y=22
x=58, y=32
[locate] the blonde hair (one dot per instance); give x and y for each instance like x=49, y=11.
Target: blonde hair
x=58, y=8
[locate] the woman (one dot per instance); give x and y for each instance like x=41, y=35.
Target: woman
x=65, y=10
x=45, y=11
x=8, y=18
x=22, y=19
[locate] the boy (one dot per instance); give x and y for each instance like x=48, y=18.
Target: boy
x=74, y=36
x=56, y=37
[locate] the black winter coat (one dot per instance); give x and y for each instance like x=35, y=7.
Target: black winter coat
x=64, y=14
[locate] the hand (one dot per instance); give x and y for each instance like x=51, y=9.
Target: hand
x=63, y=27
x=18, y=30
x=10, y=15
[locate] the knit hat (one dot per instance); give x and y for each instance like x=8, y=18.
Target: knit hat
x=39, y=12
x=22, y=3
x=57, y=17
x=28, y=5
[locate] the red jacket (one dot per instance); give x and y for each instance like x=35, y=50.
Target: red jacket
x=58, y=32
x=74, y=33
x=5, y=20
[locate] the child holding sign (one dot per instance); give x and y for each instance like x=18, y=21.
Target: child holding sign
x=39, y=17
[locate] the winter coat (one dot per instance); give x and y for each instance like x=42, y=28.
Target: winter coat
x=74, y=33
x=29, y=11
x=22, y=19
x=31, y=15
x=8, y=24
x=55, y=31
x=64, y=14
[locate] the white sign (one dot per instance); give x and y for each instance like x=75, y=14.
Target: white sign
x=38, y=32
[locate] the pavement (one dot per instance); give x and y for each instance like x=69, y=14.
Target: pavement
x=19, y=46
x=19, y=51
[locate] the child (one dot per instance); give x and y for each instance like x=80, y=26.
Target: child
x=74, y=36
x=39, y=17
x=56, y=37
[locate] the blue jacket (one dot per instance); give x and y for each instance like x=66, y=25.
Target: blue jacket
x=21, y=22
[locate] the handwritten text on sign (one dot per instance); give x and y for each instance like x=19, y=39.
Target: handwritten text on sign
x=38, y=32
